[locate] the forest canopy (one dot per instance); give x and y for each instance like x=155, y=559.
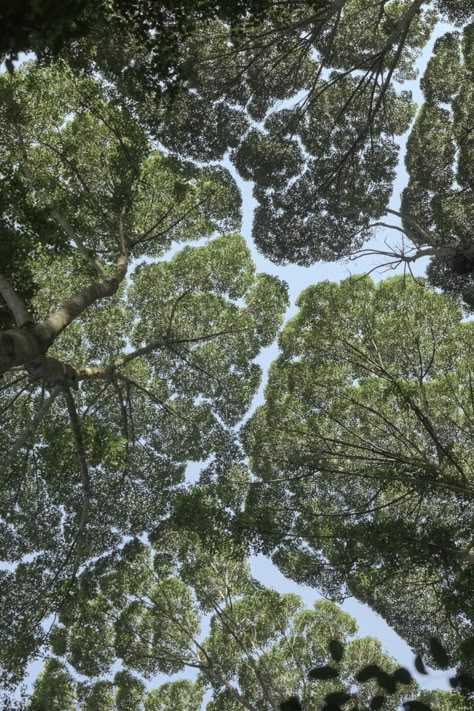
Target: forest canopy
x=133, y=329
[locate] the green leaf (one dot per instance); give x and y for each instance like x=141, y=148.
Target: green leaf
x=463, y=681
x=291, y=704
x=337, y=698
x=467, y=648
x=371, y=671
x=403, y=676
x=419, y=665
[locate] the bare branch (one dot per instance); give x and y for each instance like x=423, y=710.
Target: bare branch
x=427, y=238
x=123, y=246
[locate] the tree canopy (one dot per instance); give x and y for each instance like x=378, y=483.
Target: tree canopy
x=307, y=100
x=363, y=453
x=147, y=608
x=127, y=365
x=132, y=319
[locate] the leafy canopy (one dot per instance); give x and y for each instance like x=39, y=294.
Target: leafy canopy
x=363, y=454
x=124, y=362
x=145, y=608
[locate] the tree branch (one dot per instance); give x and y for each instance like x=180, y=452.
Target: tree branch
x=49, y=329
x=15, y=303
x=31, y=427
x=72, y=234
x=81, y=456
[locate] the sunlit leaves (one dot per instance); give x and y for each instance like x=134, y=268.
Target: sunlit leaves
x=53, y=689
x=259, y=645
x=180, y=695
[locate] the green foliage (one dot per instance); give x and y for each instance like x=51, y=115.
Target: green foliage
x=53, y=689
x=99, y=697
x=42, y=23
x=259, y=645
x=134, y=362
x=363, y=454
x=388, y=682
x=182, y=695
x=439, y=198
x=442, y=701
x=130, y=692
x=207, y=78
x=162, y=362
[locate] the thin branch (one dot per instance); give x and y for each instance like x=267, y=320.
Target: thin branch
x=81, y=456
x=152, y=397
x=31, y=427
x=123, y=246
x=428, y=239
x=72, y=234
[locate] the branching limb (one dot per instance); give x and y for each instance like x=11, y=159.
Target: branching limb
x=427, y=237
x=15, y=303
x=152, y=397
x=76, y=239
x=59, y=217
x=49, y=329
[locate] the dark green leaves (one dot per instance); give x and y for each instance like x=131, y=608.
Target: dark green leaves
x=439, y=654
x=323, y=673
x=403, y=676
x=337, y=698
x=371, y=671
x=463, y=681
x=336, y=650
x=291, y=704
x=419, y=665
